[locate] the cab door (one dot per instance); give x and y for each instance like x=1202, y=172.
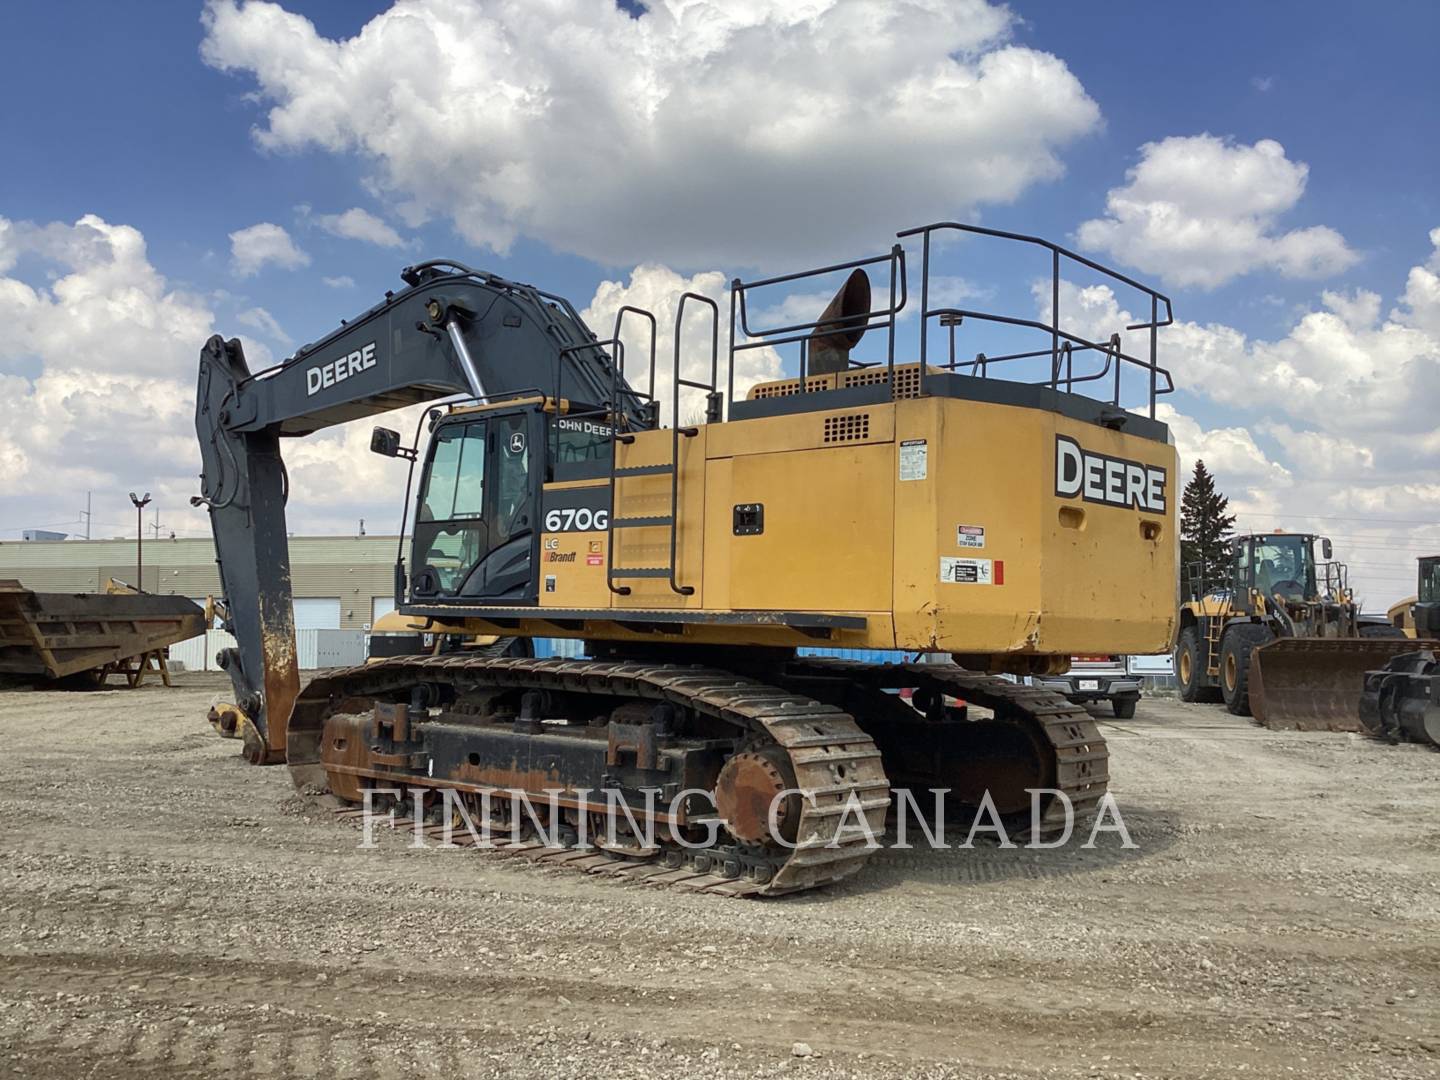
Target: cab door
x=513, y=481
x=474, y=522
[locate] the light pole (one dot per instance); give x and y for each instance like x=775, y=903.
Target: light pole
x=140, y=505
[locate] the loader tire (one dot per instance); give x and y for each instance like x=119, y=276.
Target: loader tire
x=1190, y=668
x=1236, y=650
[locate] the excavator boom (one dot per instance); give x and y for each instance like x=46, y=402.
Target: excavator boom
x=419, y=345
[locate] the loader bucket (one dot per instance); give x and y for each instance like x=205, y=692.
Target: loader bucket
x=1314, y=684
x=51, y=636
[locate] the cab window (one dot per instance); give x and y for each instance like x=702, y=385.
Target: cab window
x=455, y=487
x=1429, y=581
x=451, y=536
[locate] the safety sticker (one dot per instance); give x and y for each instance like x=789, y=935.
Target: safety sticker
x=966, y=571
x=594, y=560
x=914, y=459
x=970, y=536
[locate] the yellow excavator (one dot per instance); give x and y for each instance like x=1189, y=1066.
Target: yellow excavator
x=998, y=525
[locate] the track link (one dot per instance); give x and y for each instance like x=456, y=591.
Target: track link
x=837, y=766
x=1079, y=764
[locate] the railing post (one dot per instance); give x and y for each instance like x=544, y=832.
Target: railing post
x=1115, y=348
x=730, y=375
x=924, y=305
x=1054, y=306
x=1154, y=330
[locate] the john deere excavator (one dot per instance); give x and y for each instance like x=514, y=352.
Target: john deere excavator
x=1281, y=638
x=926, y=507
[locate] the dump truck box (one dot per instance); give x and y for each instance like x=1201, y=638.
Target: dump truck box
x=1314, y=684
x=46, y=636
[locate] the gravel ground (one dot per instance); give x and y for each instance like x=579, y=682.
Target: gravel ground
x=167, y=910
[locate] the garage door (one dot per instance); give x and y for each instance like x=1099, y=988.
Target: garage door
x=317, y=613
x=381, y=606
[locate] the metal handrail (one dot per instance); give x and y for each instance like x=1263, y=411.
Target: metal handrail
x=1053, y=327
x=630, y=309
x=802, y=332
x=676, y=382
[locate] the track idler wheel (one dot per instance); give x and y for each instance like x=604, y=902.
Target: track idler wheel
x=749, y=784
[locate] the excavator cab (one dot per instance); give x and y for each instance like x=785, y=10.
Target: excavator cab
x=477, y=504
x=480, y=490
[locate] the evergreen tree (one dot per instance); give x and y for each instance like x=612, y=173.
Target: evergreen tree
x=1205, y=529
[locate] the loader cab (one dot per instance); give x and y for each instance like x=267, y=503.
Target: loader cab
x=477, y=505
x=1427, y=598
x=1277, y=564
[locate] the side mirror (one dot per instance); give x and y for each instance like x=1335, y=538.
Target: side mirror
x=386, y=442
x=1325, y=549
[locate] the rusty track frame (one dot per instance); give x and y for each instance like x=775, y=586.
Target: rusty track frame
x=835, y=762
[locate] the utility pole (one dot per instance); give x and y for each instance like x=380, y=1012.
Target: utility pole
x=140, y=505
x=155, y=525
x=87, y=515
x=362, y=526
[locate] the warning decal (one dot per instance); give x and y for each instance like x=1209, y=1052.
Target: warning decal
x=966, y=571
x=971, y=536
x=914, y=459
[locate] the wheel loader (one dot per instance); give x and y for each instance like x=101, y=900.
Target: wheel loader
x=695, y=534
x=1281, y=638
x=1398, y=701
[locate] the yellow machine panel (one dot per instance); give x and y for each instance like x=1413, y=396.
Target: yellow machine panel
x=943, y=524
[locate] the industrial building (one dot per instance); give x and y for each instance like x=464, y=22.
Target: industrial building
x=340, y=582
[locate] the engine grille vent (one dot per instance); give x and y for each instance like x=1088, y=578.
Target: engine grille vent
x=847, y=427
x=907, y=379
x=791, y=386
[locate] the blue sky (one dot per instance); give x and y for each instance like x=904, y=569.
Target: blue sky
x=118, y=112
x=162, y=141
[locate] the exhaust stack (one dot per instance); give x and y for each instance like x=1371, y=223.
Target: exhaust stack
x=842, y=325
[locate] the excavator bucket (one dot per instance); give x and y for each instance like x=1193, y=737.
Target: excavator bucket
x=1314, y=684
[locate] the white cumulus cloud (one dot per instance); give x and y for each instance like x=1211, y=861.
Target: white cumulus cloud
x=97, y=390
x=658, y=289
x=359, y=224
x=265, y=244
x=1200, y=210
x=1329, y=428
x=698, y=134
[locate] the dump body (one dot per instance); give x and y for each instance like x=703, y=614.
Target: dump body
x=47, y=636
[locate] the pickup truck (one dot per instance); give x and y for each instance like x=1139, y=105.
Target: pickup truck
x=1096, y=678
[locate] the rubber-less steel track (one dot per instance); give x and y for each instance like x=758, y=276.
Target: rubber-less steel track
x=836, y=765
x=1079, y=764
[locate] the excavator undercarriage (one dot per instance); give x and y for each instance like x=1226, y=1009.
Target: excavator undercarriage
x=752, y=787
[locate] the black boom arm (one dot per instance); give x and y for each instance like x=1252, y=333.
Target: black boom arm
x=452, y=331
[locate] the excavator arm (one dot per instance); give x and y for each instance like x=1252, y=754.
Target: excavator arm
x=451, y=331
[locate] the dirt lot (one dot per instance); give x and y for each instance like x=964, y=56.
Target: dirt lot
x=165, y=909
